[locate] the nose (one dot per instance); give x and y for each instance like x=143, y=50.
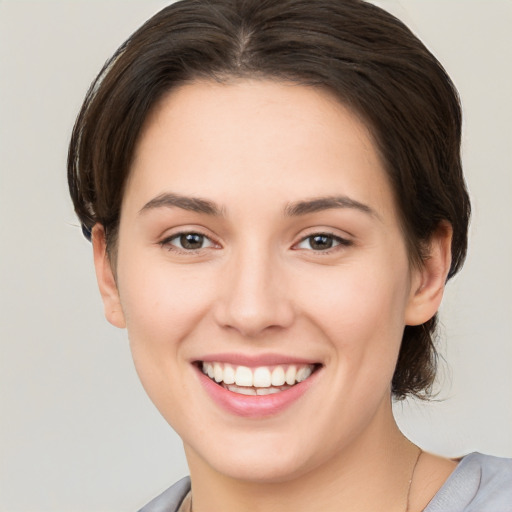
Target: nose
x=254, y=297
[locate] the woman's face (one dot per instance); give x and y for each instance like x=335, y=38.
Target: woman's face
x=259, y=240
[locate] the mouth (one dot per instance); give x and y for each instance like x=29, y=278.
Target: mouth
x=258, y=381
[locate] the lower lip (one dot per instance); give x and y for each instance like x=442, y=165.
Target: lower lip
x=254, y=406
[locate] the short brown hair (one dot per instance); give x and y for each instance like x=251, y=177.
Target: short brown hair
x=367, y=57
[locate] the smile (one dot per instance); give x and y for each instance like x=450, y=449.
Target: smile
x=262, y=380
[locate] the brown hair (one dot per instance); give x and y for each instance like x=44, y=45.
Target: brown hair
x=368, y=58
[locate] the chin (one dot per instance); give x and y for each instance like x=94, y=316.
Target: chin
x=255, y=470
x=258, y=458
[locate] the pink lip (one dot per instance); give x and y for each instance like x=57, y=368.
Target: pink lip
x=254, y=406
x=254, y=361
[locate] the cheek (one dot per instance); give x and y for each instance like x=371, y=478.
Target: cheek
x=163, y=308
x=361, y=311
x=162, y=305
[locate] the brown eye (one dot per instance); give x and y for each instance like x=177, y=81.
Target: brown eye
x=191, y=241
x=322, y=242
x=188, y=242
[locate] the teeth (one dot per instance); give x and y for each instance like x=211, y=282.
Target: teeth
x=266, y=380
x=291, y=372
x=278, y=376
x=254, y=391
x=218, y=374
x=303, y=374
x=242, y=390
x=262, y=378
x=243, y=376
x=268, y=391
x=229, y=374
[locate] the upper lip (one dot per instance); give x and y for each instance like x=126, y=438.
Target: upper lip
x=253, y=361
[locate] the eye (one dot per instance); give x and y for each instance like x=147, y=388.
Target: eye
x=188, y=241
x=322, y=242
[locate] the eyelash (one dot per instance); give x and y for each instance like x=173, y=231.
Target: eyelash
x=336, y=240
x=339, y=242
x=167, y=242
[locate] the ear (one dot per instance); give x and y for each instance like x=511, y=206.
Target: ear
x=429, y=280
x=106, y=280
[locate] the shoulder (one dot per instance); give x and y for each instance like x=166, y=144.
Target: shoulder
x=480, y=483
x=169, y=500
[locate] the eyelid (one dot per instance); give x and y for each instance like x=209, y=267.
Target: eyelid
x=340, y=241
x=166, y=240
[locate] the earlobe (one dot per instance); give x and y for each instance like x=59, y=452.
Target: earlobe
x=106, y=280
x=428, y=281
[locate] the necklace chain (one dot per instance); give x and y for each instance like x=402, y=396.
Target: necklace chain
x=420, y=451
x=187, y=504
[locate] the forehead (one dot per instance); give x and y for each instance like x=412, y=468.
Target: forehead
x=252, y=136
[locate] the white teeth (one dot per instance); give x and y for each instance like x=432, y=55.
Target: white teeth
x=291, y=372
x=229, y=374
x=254, y=391
x=218, y=374
x=267, y=391
x=303, y=374
x=242, y=390
x=278, y=376
x=262, y=380
x=243, y=376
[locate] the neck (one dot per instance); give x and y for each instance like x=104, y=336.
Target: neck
x=375, y=468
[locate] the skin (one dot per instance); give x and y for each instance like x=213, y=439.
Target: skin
x=253, y=148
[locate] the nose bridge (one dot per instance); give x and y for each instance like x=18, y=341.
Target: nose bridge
x=254, y=296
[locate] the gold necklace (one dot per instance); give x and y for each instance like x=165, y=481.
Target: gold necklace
x=420, y=451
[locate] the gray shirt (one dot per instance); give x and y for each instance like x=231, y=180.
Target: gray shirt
x=479, y=483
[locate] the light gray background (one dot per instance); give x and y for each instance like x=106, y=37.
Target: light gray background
x=77, y=432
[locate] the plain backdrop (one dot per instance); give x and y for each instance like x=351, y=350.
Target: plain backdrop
x=77, y=433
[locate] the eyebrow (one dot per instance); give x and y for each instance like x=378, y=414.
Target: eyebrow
x=295, y=209
x=319, y=204
x=194, y=204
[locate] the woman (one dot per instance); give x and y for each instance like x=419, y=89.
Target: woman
x=275, y=199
